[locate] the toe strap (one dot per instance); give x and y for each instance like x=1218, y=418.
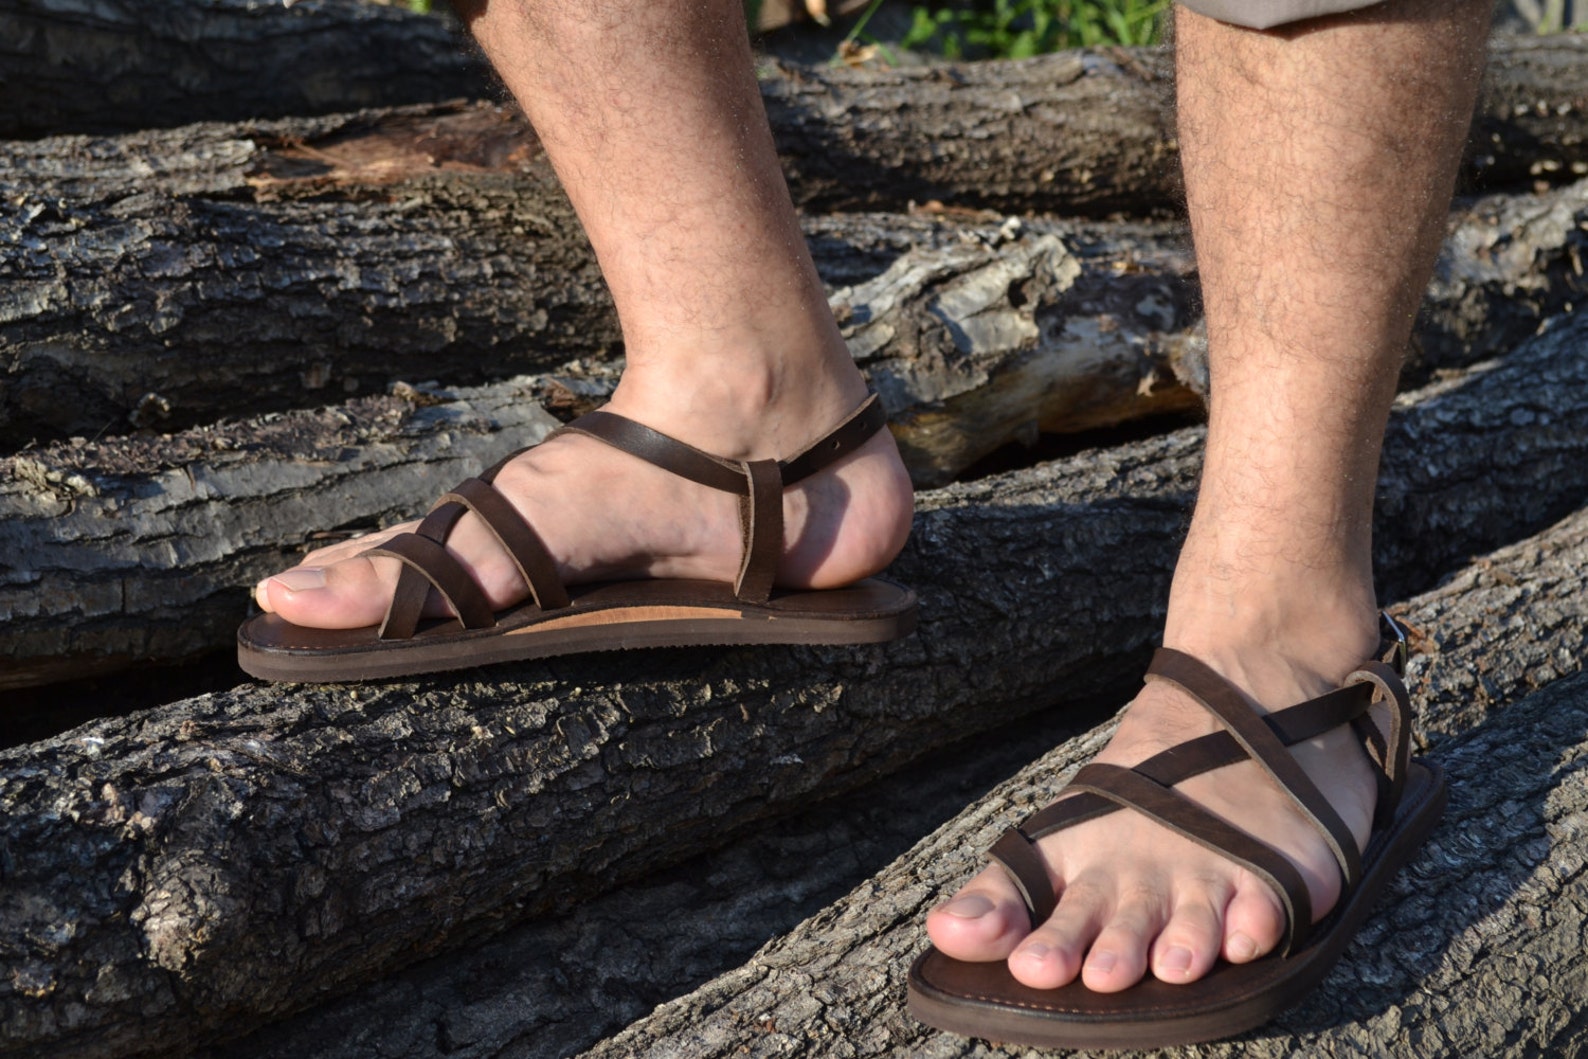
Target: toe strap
x=1180, y=814
x=1018, y=855
x=517, y=538
x=439, y=568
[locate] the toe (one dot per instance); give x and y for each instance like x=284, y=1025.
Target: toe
x=1052, y=955
x=1118, y=958
x=1047, y=959
x=350, y=594
x=1189, y=944
x=1254, y=923
x=984, y=921
x=317, y=561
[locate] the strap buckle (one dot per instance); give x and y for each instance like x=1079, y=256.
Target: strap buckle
x=1393, y=640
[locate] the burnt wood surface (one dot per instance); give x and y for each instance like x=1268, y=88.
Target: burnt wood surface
x=160, y=280
x=199, y=868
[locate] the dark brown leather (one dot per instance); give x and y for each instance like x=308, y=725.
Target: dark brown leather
x=413, y=585
x=662, y=451
x=982, y=999
x=1392, y=756
x=1018, y=856
x=758, y=483
x=1148, y=787
x=445, y=573
x=839, y=442
x=516, y=537
x=1231, y=708
x=761, y=531
x=1294, y=724
x=1180, y=814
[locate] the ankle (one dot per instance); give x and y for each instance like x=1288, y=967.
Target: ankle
x=1275, y=638
x=751, y=405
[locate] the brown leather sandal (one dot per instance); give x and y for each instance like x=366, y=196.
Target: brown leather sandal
x=601, y=616
x=984, y=1000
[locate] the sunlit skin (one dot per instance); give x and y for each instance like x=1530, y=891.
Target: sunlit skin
x=1318, y=165
x=651, y=115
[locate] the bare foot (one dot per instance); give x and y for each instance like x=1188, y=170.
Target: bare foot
x=604, y=514
x=1138, y=899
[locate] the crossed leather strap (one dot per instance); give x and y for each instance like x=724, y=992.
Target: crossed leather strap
x=759, y=484
x=1149, y=787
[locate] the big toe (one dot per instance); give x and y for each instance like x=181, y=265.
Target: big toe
x=986, y=920
x=350, y=594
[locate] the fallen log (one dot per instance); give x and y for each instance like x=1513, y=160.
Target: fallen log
x=551, y=987
x=144, y=549
x=1475, y=950
x=1509, y=624
x=74, y=67
x=162, y=280
x=139, y=548
x=869, y=138
x=151, y=312
x=201, y=867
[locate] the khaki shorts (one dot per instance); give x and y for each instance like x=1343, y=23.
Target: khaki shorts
x=1265, y=14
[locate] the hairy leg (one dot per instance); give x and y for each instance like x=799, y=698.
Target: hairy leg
x=652, y=118
x=1319, y=162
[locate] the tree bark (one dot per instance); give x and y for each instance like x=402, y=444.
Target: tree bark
x=1475, y=950
x=1511, y=623
x=198, y=868
x=162, y=280
x=254, y=278
x=143, y=549
x=975, y=336
x=1091, y=133
x=68, y=66
x=851, y=138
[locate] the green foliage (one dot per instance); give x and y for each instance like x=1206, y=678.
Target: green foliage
x=1018, y=29
x=1553, y=16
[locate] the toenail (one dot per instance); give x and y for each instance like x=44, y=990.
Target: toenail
x=1102, y=961
x=1177, y=961
x=1242, y=947
x=301, y=578
x=1036, y=952
x=971, y=906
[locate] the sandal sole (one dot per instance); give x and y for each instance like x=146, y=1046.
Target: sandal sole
x=602, y=617
x=983, y=1000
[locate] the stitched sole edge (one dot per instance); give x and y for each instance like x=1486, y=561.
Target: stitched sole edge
x=750, y=628
x=1219, y=1017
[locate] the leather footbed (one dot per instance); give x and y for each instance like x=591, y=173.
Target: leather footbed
x=984, y=1000
x=559, y=619
x=600, y=617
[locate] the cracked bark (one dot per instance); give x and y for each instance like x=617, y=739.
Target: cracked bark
x=868, y=138
x=140, y=548
x=1509, y=624
x=1475, y=949
x=160, y=280
x=202, y=867
x=105, y=67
